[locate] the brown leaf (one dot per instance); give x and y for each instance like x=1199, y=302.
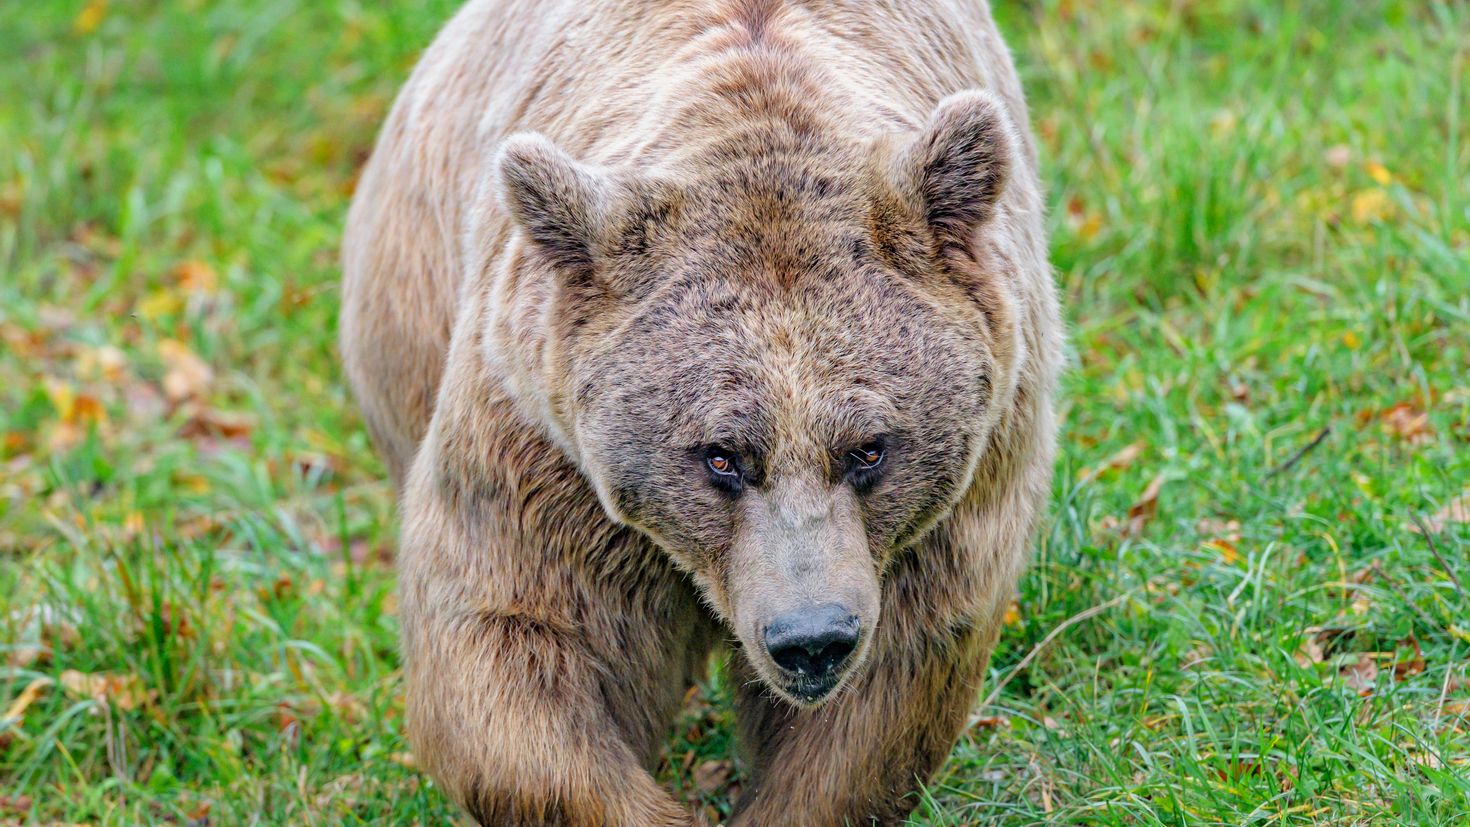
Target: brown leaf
x=126, y=692
x=1142, y=512
x=187, y=376
x=207, y=422
x=196, y=277
x=1408, y=423
x=1224, y=529
x=1122, y=459
x=1360, y=674
x=1456, y=511
x=710, y=776
x=1405, y=668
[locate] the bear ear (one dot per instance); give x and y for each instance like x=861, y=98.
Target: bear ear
x=561, y=204
x=958, y=165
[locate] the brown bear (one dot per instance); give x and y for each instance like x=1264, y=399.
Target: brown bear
x=685, y=323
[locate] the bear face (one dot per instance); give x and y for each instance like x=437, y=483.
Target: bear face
x=782, y=371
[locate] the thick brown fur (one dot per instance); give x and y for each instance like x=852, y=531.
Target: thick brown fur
x=596, y=238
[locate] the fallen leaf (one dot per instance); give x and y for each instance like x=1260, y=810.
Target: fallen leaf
x=1408, y=423
x=1228, y=529
x=90, y=17
x=1405, y=668
x=1370, y=206
x=710, y=776
x=1360, y=674
x=1142, y=512
x=1123, y=458
x=196, y=277
x=204, y=421
x=989, y=722
x=187, y=376
x=1455, y=512
x=1379, y=173
x=1310, y=652
x=1013, y=614
x=158, y=304
x=1338, y=156
x=106, y=363
x=27, y=696
x=125, y=692
x=1229, y=555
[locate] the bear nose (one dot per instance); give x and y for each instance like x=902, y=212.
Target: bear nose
x=813, y=641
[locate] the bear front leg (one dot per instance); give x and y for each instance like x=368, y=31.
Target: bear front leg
x=858, y=759
x=542, y=666
x=511, y=720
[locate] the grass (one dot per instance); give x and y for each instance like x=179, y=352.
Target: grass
x=1261, y=222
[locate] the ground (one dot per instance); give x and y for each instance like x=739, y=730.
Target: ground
x=1248, y=605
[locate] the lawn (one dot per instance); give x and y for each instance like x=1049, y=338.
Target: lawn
x=1248, y=605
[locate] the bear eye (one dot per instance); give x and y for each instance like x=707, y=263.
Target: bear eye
x=867, y=457
x=724, y=469
x=721, y=464
x=864, y=464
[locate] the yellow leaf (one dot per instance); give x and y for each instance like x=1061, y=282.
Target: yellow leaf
x=26, y=697
x=1370, y=206
x=1378, y=172
x=90, y=17
x=1351, y=340
x=1228, y=553
x=1013, y=614
x=63, y=398
x=159, y=304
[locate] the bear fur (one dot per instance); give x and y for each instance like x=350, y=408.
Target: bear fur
x=634, y=290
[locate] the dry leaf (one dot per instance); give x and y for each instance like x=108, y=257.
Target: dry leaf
x=196, y=277
x=1407, y=423
x=15, y=804
x=1379, y=173
x=106, y=363
x=1405, y=668
x=90, y=17
x=1229, y=555
x=1142, y=512
x=1455, y=512
x=210, y=423
x=710, y=776
x=1370, y=206
x=1339, y=156
x=187, y=375
x=125, y=692
x=158, y=304
x=1360, y=674
x=1013, y=614
x=1122, y=459
x=1228, y=529
x=27, y=696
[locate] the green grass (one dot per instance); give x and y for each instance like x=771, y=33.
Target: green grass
x=1261, y=215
